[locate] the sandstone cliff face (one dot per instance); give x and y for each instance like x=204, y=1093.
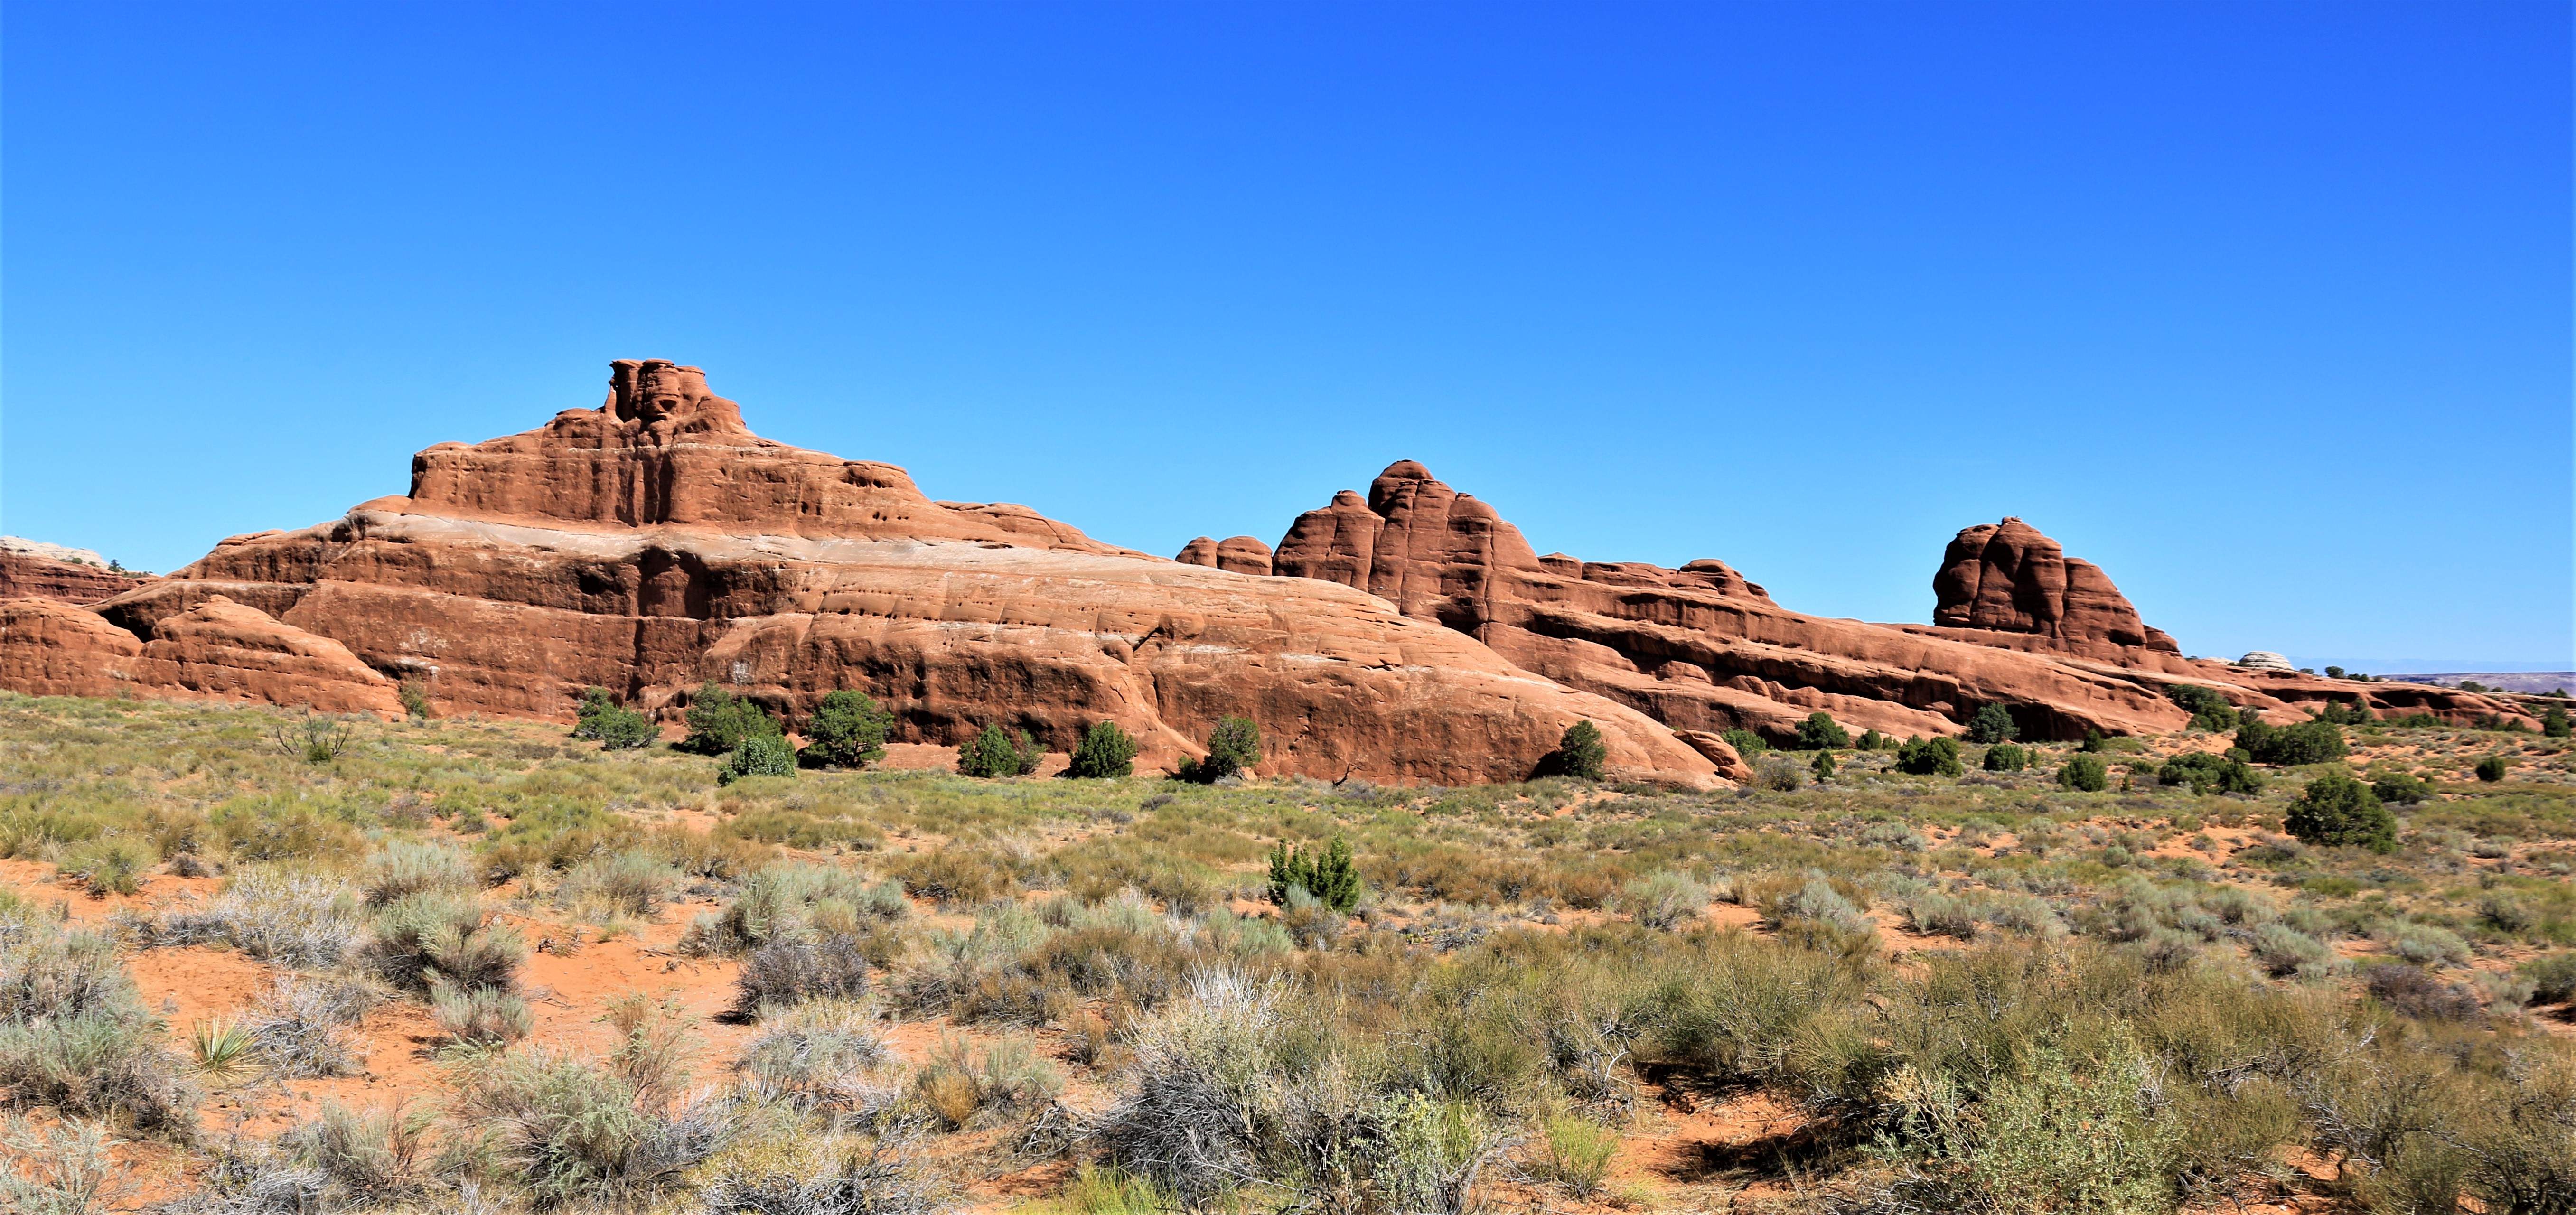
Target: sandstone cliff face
x=30, y=575
x=2007, y=577
x=1703, y=650
x=654, y=544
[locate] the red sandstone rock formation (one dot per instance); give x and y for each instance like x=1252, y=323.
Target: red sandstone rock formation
x=654, y=544
x=27, y=575
x=2007, y=577
x=1241, y=554
x=1702, y=650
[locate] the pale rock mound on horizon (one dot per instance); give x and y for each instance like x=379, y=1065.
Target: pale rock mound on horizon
x=33, y=569
x=655, y=543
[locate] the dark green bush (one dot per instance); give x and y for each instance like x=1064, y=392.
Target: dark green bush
x=2208, y=709
x=2354, y=713
x=1992, y=724
x=2006, y=757
x=1105, y=751
x=719, y=721
x=1929, y=757
x=2084, y=773
x=2492, y=768
x=1824, y=765
x=1872, y=740
x=2401, y=787
x=1234, y=746
x=1820, y=732
x=2208, y=773
x=1746, y=743
x=759, y=755
x=1327, y=875
x=2310, y=742
x=848, y=730
x=613, y=726
x=2553, y=722
x=2337, y=810
x=996, y=753
x=1580, y=753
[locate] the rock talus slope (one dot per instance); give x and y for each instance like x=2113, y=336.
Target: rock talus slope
x=655, y=543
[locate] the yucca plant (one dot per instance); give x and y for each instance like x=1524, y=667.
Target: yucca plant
x=221, y=1047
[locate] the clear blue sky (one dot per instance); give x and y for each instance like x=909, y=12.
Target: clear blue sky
x=2263, y=307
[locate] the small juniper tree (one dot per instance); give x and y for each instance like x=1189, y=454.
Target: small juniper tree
x=1935, y=756
x=1581, y=753
x=2335, y=809
x=2553, y=722
x=2084, y=773
x=719, y=721
x=848, y=730
x=1872, y=740
x=2208, y=709
x=1992, y=724
x=1746, y=743
x=1234, y=746
x=1327, y=875
x=2006, y=757
x=1105, y=751
x=1820, y=732
x=996, y=752
x=1824, y=766
x=2492, y=768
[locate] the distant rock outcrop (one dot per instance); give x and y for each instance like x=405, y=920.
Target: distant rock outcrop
x=1703, y=650
x=1239, y=554
x=2264, y=660
x=655, y=543
x=32, y=569
x=2007, y=577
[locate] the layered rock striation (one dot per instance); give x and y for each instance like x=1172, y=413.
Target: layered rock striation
x=28, y=571
x=655, y=544
x=2006, y=577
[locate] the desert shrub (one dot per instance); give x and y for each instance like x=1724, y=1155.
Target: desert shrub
x=2402, y=788
x=2006, y=757
x=1929, y=757
x=2084, y=773
x=404, y=867
x=2425, y=944
x=720, y=722
x=1234, y=746
x=414, y=694
x=2283, y=951
x=1581, y=753
x=2492, y=768
x=64, y=1169
x=311, y=737
x=631, y=882
x=113, y=865
x=759, y=755
x=1327, y=875
x=250, y=830
x=2553, y=721
x=614, y=726
x=996, y=753
x=2337, y=810
x=2309, y=742
x=1230, y=1092
x=1664, y=900
x=74, y=1035
x=1732, y=1007
x=835, y=1173
x=1747, y=744
x=1991, y=724
x=822, y=1055
x=481, y=1016
x=423, y=938
x=1823, y=768
x=1872, y=740
x=787, y=900
x=790, y=972
x=307, y=1027
x=961, y=1084
x=2411, y=991
x=1820, y=732
x=1105, y=751
x=2207, y=773
x=578, y=1131
x=1574, y=1152
x=2209, y=710
x=289, y=919
x=2053, y=1136
x=848, y=730
x=2553, y=977
x=1779, y=774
